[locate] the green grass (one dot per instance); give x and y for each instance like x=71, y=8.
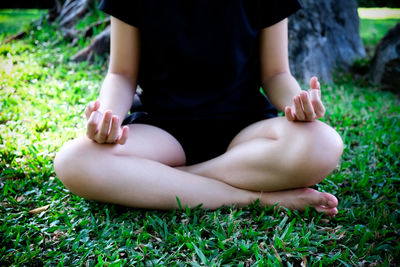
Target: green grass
x=374, y=23
x=373, y=30
x=14, y=20
x=42, y=97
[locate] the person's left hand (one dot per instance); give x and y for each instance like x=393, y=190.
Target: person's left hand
x=307, y=106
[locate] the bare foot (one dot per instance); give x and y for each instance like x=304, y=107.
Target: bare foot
x=299, y=199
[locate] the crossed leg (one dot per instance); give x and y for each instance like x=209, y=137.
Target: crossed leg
x=145, y=172
x=274, y=155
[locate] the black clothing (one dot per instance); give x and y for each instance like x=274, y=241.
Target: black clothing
x=201, y=139
x=199, y=67
x=199, y=58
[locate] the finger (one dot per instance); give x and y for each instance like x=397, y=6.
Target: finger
x=314, y=84
x=102, y=134
x=288, y=114
x=92, y=124
x=307, y=106
x=318, y=106
x=298, y=108
x=124, y=135
x=92, y=106
x=114, y=131
x=96, y=105
x=89, y=109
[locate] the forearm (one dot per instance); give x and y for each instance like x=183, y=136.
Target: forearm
x=281, y=89
x=117, y=94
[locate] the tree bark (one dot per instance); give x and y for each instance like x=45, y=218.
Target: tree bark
x=100, y=45
x=71, y=12
x=323, y=37
x=385, y=66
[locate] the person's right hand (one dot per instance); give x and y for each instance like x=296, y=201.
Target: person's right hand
x=104, y=128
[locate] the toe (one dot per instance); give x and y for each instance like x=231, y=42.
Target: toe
x=327, y=211
x=324, y=203
x=315, y=198
x=328, y=200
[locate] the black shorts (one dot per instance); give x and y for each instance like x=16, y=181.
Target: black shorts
x=201, y=139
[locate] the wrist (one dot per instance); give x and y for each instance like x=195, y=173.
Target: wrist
x=281, y=89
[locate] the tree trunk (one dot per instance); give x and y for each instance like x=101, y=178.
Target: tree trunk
x=323, y=36
x=385, y=69
x=72, y=11
x=99, y=46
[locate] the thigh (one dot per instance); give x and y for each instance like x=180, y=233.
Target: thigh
x=153, y=143
x=269, y=128
x=280, y=128
x=144, y=141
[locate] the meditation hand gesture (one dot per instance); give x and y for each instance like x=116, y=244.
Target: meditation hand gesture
x=104, y=128
x=307, y=106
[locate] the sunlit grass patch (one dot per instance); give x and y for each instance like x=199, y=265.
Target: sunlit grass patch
x=14, y=20
x=379, y=13
x=374, y=24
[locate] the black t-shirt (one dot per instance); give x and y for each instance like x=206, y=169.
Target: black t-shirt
x=200, y=58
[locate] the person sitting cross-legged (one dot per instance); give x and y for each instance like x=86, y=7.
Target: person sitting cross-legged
x=205, y=133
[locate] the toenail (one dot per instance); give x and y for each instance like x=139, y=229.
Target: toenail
x=331, y=203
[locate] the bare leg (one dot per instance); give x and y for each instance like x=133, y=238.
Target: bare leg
x=116, y=174
x=133, y=175
x=276, y=155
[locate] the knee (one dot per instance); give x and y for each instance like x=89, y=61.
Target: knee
x=325, y=146
x=69, y=163
x=320, y=147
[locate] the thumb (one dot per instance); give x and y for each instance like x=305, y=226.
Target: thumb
x=124, y=135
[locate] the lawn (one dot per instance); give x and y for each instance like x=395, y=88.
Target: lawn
x=42, y=97
x=14, y=20
x=374, y=23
